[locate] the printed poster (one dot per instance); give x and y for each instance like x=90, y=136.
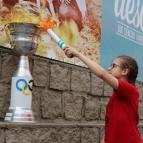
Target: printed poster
x=79, y=25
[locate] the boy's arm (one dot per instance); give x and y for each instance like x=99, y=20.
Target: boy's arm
x=94, y=67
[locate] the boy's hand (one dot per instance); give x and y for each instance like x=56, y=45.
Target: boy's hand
x=70, y=51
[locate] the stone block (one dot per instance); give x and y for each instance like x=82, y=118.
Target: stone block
x=90, y=135
x=70, y=135
x=80, y=81
x=73, y=106
x=139, y=85
x=59, y=77
x=104, y=103
x=92, y=108
x=18, y=135
x=51, y=104
x=46, y=135
x=141, y=132
x=96, y=85
x=36, y=100
x=0, y=63
x=108, y=90
x=140, y=110
x=40, y=73
x=4, y=99
x=2, y=136
x=101, y=130
x=9, y=65
x=103, y=111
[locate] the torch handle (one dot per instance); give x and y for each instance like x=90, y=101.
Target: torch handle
x=56, y=39
x=61, y=44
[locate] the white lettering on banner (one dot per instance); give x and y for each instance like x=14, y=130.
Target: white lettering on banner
x=139, y=38
x=129, y=12
x=125, y=8
x=129, y=33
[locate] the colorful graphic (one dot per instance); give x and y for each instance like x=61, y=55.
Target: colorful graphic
x=79, y=25
x=24, y=86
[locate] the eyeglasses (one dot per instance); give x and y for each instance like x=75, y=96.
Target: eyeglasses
x=113, y=65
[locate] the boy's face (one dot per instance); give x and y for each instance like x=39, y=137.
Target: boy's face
x=116, y=69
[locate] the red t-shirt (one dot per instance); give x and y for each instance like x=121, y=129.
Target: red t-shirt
x=122, y=115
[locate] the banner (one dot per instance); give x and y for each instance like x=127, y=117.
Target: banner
x=79, y=25
x=122, y=32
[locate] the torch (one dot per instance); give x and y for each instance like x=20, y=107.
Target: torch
x=47, y=26
x=61, y=44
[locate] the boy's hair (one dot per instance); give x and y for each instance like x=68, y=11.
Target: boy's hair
x=131, y=64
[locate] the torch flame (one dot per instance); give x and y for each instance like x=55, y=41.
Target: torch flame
x=48, y=21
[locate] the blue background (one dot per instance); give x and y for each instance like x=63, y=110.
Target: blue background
x=113, y=45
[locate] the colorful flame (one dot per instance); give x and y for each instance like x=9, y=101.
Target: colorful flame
x=48, y=21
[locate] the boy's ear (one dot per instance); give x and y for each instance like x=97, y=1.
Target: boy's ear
x=125, y=71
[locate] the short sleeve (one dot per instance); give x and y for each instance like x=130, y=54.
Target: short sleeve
x=126, y=90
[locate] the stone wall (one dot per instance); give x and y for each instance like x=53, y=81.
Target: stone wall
x=68, y=102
